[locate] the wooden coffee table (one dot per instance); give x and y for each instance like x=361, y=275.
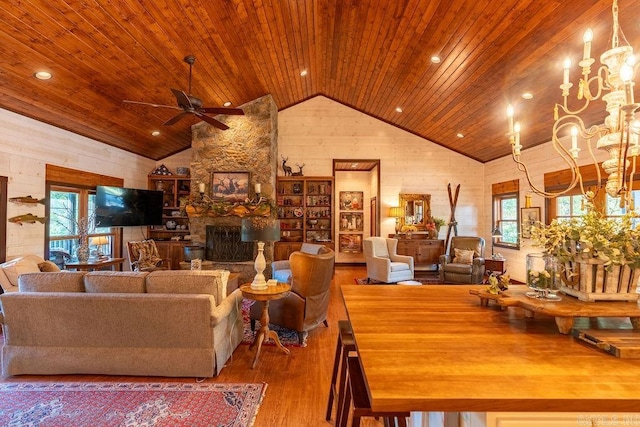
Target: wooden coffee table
x=96, y=264
x=281, y=290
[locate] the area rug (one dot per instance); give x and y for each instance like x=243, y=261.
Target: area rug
x=129, y=404
x=288, y=338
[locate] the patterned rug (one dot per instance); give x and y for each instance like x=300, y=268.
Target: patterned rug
x=428, y=279
x=288, y=338
x=129, y=404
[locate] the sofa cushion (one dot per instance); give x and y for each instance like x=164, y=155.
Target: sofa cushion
x=65, y=281
x=282, y=276
x=207, y=282
x=399, y=266
x=26, y=264
x=48, y=267
x=115, y=282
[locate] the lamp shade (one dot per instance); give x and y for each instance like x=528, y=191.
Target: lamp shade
x=99, y=240
x=496, y=232
x=396, y=212
x=260, y=229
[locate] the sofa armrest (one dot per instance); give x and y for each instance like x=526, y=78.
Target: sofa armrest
x=226, y=307
x=445, y=259
x=1, y=318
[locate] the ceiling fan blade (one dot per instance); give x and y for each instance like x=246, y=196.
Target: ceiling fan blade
x=175, y=119
x=223, y=110
x=151, y=105
x=212, y=121
x=182, y=98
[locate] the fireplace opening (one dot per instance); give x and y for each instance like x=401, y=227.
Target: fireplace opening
x=224, y=244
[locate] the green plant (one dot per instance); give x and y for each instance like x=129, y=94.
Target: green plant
x=614, y=241
x=439, y=222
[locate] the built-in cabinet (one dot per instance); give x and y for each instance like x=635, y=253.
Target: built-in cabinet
x=172, y=250
x=305, y=210
x=175, y=222
x=425, y=252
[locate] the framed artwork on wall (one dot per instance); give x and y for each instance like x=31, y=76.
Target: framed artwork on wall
x=351, y=221
x=230, y=186
x=351, y=243
x=351, y=200
x=529, y=217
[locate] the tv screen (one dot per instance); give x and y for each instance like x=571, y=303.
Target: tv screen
x=122, y=207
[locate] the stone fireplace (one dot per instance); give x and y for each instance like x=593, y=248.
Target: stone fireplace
x=249, y=145
x=224, y=244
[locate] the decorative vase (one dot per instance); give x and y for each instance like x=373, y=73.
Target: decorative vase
x=83, y=252
x=542, y=276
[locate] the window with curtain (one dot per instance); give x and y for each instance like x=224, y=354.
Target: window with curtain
x=506, y=214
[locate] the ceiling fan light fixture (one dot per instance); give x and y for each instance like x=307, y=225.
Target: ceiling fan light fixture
x=42, y=75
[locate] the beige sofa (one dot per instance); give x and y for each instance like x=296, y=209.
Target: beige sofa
x=174, y=323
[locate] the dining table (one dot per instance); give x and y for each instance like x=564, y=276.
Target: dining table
x=437, y=348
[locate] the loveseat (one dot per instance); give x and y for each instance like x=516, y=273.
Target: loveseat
x=174, y=323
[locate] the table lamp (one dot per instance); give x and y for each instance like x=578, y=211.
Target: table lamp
x=99, y=242
x=397, y=213
x=260, y=230
x=495, y=233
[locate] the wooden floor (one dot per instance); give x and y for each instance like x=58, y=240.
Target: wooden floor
x=298, y=384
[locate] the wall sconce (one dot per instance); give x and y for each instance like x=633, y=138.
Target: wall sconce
x=201, y=188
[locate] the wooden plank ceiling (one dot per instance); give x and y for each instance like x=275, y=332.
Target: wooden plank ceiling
x=372, y=55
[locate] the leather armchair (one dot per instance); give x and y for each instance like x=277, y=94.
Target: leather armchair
x=306, y=305
x=463, y=272
x=383, y=262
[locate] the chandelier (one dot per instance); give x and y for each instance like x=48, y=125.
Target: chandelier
x=618, y=135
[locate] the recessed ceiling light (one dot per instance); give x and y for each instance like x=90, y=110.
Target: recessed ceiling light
x=527, y=95
x=303, y=73
x=155, y=133
x=354, y=165
x=460, y=135
x=435, y=59
x=399, y=109
x=226, y=104
x=43, y=75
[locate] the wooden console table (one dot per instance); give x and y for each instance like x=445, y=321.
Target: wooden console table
x=96, y=264
x=425, y=252
x=563, y=311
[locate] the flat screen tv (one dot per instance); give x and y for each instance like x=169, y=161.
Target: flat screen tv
x=122, y=207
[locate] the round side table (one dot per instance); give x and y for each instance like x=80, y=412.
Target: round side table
x=281, y=290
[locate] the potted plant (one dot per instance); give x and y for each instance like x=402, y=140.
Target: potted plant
x=599, y=256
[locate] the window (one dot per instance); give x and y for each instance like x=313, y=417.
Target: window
x=567, y=207
x=613, y=208
x=506, y=213
x=68, y=205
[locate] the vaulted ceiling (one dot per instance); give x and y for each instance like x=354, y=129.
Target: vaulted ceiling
x=371, y=55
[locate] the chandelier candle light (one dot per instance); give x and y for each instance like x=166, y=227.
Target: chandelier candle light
x=618, y=135
x=260, y=230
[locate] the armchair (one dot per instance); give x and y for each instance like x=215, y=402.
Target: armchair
x=281, y=270
x=465, y=261
x=144, y=256
x=383, y=262
x=306, y=305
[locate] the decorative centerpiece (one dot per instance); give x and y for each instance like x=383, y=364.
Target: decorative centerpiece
x=599, y=257
x=196, y=206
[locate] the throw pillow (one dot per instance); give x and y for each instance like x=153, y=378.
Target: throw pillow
x=48, y=267
x=463, y=256
x=147, y=260
x=26, y=264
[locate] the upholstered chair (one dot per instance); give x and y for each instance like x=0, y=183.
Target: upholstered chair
x=383, y=262
x=465, y=261
x=281, y=270
x=144, y=256
x=306, y=305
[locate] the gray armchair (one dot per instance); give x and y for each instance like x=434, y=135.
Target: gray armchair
x=383, y=262
x=466, y=265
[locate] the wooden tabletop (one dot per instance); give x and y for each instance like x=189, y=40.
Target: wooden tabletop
x=281, y=290
x=435, y=348
x=94, y=263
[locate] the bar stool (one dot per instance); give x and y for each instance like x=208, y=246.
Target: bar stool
x=345, y=345
x=356, y=395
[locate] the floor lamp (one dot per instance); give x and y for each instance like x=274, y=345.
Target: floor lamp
x=260, y=230
x=495, y=233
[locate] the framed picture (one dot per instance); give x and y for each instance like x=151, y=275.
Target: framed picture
x=230, y=186
x=351, y=221
x=351, y=243
x=529, y=217
x=351, y=200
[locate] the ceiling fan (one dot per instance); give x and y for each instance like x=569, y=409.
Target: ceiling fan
x=190, y=104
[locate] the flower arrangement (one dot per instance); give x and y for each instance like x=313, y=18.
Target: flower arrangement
x=439, y=222
x=409, y=228
x=614, y=241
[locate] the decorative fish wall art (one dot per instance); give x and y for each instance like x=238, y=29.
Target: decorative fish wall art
x=28, y=218
x=27, y=200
